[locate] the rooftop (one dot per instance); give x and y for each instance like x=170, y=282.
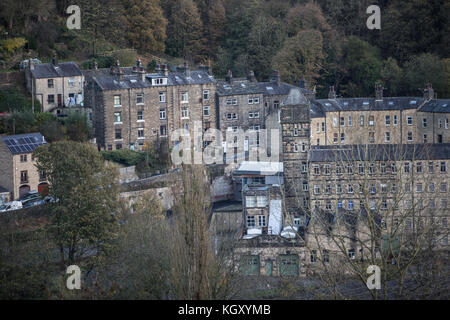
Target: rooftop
x=24, y=143
x=259, y=168
x=63, y=69
x=380, y=152
x=242, y=86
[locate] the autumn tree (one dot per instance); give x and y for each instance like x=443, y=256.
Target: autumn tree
x=300, y=56
x=146, y=26
x=184, y=30
x=83, y=217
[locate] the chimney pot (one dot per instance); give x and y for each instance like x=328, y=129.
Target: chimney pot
x=229, y=77
x=332, y=93
x=429, y=91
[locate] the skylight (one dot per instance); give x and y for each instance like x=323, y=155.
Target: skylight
x=391, y=103
x=269, y=88
x=413, y=102
x=365, y=103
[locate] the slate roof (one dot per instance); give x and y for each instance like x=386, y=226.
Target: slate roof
x=320, y=106
x=63, y=69
x=130, y=80
x=241, y=86
x=23, y=143
x=227, y=206
x=380, y=152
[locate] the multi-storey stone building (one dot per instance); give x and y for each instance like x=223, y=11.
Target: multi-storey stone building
x=55, y=85
x=245, y=104
x=131, y=107
x=18, y=172
x=380, y=120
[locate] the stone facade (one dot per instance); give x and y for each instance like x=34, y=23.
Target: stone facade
x=54, y=84
x=18, y=170
x=132, y=108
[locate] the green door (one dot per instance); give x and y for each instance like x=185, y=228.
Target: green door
x=288, y=265
x=249, y=265
x=269, y=267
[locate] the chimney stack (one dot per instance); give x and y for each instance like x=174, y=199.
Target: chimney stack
x=379, y=91
x=275, y=78
x=209, y=67
x=54, y=59
x=302, y=83
x=31, y=64
x=187, y=71
x=229, y=77
x=332, y=93
x=251, y=76
x=165, y=70
x=428, y=93
x=95, y=65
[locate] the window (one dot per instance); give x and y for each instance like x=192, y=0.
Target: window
x=424, y=122
x=350, y=122
x=350, y=205
x=351, y=253
x=444, y=203
x=328, y=205
x=419, y=167
x=117, y=117
x=383, y=167
x=205, y=94
x=235, y=116
x=371, y=137
x=162, y=130
x=342, y=137
x=23, y=158
x=335, y=122
x=430, y=167
x=295, y=147
x=140, y=115
x=394, y=188
x=140, y=98
x=338, y=188
x=326, y=256
x=349, y=188
x=409, y=120
x=50, y=83
x=373, y=188
x=250, y=221
x=316, y=169
x=313, y=256
x=339, y=204
x=387, y=136
x=371, y=121
x=335, y=137
x=250, y=100
x=443, y=186
x=24, y=176
x=255, y=100
x=360, y=168
x=316, y=189
x=305, y=186
x=342, y=122
x=387, y=120
x=162, y=97
x=407, y=187
x=250, y=201
x=371, y=168
x=419, y=187
x=184, y=113
x=184, y=97
x=439, y=123
x=162, y=113
x=71, y=82
x=318, y=127
x=338, y=169
x=327, y=169
x=51, y=98
x=118, y=134
x=323, y=126
x=446, y=123
x=328, y=189
x=350, y=168
x=395, y=120
x=303, y=146
x=118, y=146
x=141, y=133
x=304, y=167
x=261, y=201
x=410, y=136
x=261, y=221
x=361, y=121
x=384, y=187
x=235, y=101
x=256, y=114
x=206, y=111
x=117, y=101
x=425, y=138
x=443, y=166
x=407, y=167
x=431, y=187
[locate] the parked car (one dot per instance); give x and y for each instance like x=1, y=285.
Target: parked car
x=31, y=195
x=9, y=206
x=32, y=203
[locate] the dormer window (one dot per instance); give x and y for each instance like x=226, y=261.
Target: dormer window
x=159, y=81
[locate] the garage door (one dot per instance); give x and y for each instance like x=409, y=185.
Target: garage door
x=249, y=265
x=288, y=265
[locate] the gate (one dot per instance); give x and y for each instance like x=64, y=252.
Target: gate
x=288, y=265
